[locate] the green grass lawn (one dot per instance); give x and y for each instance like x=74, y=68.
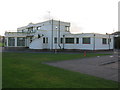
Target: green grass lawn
x=25, y=70
x=1, y=44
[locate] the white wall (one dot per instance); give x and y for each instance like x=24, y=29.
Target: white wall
x=46, y=30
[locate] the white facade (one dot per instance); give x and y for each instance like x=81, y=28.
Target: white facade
x=54, y=34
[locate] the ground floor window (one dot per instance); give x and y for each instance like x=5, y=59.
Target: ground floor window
x=109, y=40
x=11, y=41
x=20, y=41
x=86, y=40
x=77, y=40
x=69, y=40
x=104, y=41
x=45, y=39
x=55, y=40
x=61, y=40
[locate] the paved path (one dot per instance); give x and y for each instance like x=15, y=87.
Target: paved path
x=96, y=66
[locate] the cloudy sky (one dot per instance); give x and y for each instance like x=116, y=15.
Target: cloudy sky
x=85, y=16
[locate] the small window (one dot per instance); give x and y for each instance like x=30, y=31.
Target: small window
x=46, y=39
x=86, y=40
x=67, y=28
x=77, y=40
x=104, y=41
x=69, y=40
x=30, y=29
x=23, y=30
x=43, y=39
x=61, y=40
x=39, y=27
x=109, y=40
x=55, y=40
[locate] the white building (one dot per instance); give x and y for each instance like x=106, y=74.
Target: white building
x=53, y=34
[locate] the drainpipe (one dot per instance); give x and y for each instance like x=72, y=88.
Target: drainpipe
x=94, y=42
x=63, y=41
x=52, y=36
x=59, y=35
x=109, y=41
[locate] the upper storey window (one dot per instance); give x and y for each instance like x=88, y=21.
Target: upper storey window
x=39, y=27
x=67, y=28
x=30, y=29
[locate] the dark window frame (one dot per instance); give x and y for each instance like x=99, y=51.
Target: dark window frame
x=67, y=28
x=104, y=40
x=11, y=43
x=84, y=40
x=69, y=40
x=43, y=39
x=77, y=40
x=61, y=40
x=21, y=42
x=109, y=40
x=55, y=40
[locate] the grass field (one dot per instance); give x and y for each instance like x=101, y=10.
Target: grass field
x=25, y=70
x=1, y=44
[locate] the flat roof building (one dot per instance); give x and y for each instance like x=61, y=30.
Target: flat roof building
x=53, y=34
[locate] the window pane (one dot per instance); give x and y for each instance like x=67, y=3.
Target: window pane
x=20, y=41
x=104, y=41
x=67, y=28
x=86, y=40
x=69, y=40
x=43, y=39
x=77, y=40
x=61, y=40
x=11, y=41
x=39, y=27
x=109, y=40
x=55, y=40
x=46, y=39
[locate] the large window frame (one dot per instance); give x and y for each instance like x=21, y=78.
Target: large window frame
x=86, y=40
x=69, y=40
x=104, y=40
x=20, y=41
x=11, y=41
x=67, y=28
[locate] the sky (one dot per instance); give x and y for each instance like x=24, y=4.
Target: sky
x=85, y=16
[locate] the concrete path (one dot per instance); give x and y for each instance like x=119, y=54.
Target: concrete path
x=99, y=66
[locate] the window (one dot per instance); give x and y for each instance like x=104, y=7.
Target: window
x=77, y=40
x=86, y=40
x=43, y=39
x=39, y=27
x=69, y=40
x=30, y=29
x=109, y=40
x=23, y=30
x=46, y=39
x=11, y=41
x=30, y=39
x=104, y=41
x=67, y=28
x=20, y=41
x=61, y=40
x=55, y=40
